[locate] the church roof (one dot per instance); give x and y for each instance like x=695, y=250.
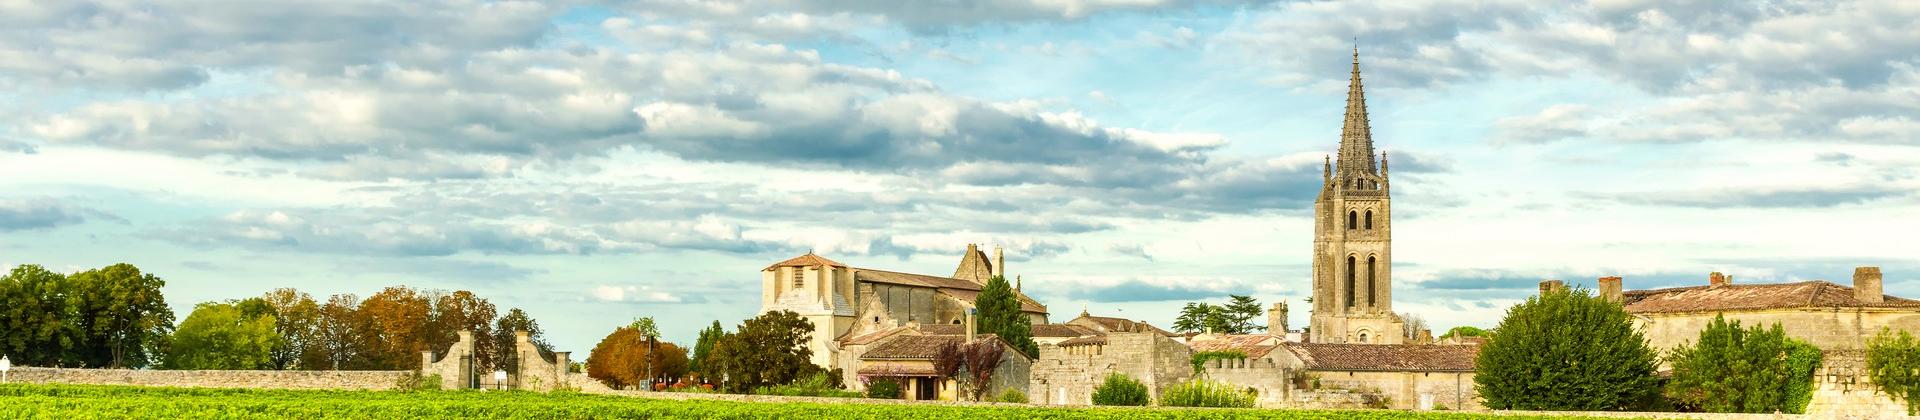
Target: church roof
x=1385, y=357
x=808, y=260
x=1749, y=297
x=974, y=266
x=1254, y=345
x=1356, y=135
x=963, y=290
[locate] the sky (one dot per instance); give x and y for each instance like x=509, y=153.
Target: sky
x=593, y=162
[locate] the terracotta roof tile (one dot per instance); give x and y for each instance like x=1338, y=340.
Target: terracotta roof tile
x=1062, y=330
x=1254, y=345
x=1739, y=297
x=1385, y=357
x=1126, y=325
x=943, y=329
x=875, y=369
x=915, y=347
x=808, y=260
x=1083, y=341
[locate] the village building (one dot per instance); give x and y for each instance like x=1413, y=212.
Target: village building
x=1398, y=376
x=907, y=354
x=1068, y=371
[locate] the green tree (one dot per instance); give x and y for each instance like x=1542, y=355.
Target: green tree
x=645, y=326
x=1893, y=364
x=1465, y=331
x=35, y=321
x=503, y=339
x=1240, y=312
x=224, y=336
x=998, y=312
x=1566, y=350
x=704, y=346
x=297, y=320
x=120, y=315
x=1735, y=370
x=1234, y=317
x=767, y=350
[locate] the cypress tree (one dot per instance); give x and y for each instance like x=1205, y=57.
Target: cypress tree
x=998, y=312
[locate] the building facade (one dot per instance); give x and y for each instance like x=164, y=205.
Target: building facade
x=1352, y=244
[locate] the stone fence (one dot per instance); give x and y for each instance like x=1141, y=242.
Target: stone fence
x=264, y=379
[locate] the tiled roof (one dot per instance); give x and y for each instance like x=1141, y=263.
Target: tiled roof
x=1125, y=325
x=1062, y=330
x=1746, y=297
x=875, y=369
x=870, y=338
x=916, y=347
x=1082, y=341
x=963, y=290
x=943, y=329
x=808, y=260
x=1254, y=345
x=1385, y=357
x=968, y=296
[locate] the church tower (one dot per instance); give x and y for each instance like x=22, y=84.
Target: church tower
x=1353, y=237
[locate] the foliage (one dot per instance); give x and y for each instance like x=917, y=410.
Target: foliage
x=120, y=315
x=999, y=314
x=1013, y=395
x=1566, y=350
x=982, y=357
x=947, y=360
x=1893, y=364
x=223, y=336
x=1118, y=389
x=1465, y=331
x=396, y=329
x=819, y=384
x=704, y=345
x=414, y=381
x=36, y=327
x=1234, y=317
x=338, y=330
x=1411, y=325
x=1200, y=359
x=1204, y=393
x=503, y=338
x=626, y=357
x=297, y=320
x=764, y=351
x=884, y=388
x=464, y=311
x=1735, y=370
x=646, y=326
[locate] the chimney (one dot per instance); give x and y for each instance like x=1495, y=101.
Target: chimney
x=1551, y=286
x=999, y=261
x=1277, y=320
x=1866, y=285
x=1610, y=289
x=970, y=325
x=1716, y=279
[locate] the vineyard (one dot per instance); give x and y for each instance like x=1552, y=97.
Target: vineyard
x=93, y=401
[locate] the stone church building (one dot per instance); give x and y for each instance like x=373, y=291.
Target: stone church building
x=1353, y=238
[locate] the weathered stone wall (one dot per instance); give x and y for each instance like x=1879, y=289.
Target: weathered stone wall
x=262, y=379
x=1068, y=375
x=1270, y=380
x=455, y=366
x=1842, y=390
x=1829, y=329
x=1015, y=372
x=537, y=373
x=1406, y=390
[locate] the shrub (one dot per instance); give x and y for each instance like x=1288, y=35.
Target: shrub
x=818, y=385
x=884, y=389
x=1119, y=389
x=1204, y=393
x=414, y=381
x=1438, y=407
x=1892, y=363
x=1013, y=396
x=1566, y=350
x=1200, y=359
x=1736, y=370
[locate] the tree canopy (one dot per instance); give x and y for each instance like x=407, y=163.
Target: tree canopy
x=703, y=347
x=1235, y=317
x=1566, y=350
x=998, y=312
x=624, y=357
x=1735, y=370
x=224, y=336
x=767, y=350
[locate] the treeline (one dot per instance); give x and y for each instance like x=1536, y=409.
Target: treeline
x=116, y=317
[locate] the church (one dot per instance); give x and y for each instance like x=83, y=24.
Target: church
x=1353, y=238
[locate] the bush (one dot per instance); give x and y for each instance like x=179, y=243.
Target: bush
x=1204, y=393
x=413, y=381
x=818, y=385
x=1200, y=359
x=1567, y=350
x=1013, y=396
x=1736, y=370
x=1892, y=363
x=1121, y=390
x=1439, y=407
x=887, y=389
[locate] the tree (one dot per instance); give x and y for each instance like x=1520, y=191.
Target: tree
x=503, y=338
x=397, y=328
x=297, y=321
x=35, y=321
x=646, y=326
x=1566, y=350
x=703, y=347
x=338, y=332
x=1235, y=317
x=948, y=359
x=224, y=336
x=998, y=311
x=982, y=357
x=622, y=358
x=1411, y=325
x=463, y=311
x=1465, y=331
x=1735, y=370
x=767, y=350
x=1240, y=311
x=1119, y=389
x=121, y=316
x=1893, y=364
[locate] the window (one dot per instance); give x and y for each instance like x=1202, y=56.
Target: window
x=1353, y=219
x=799, y=277
x=1363, y=338
x=1370, y=277
x=1369, y=219
x=1350, y=261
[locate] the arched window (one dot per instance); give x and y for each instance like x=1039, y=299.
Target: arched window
x=1369, y=219
x=1370, y=284
x=1353, y=219
x=1350, y=281
x=1363, y=338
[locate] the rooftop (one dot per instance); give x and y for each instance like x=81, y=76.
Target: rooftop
x=1748, y=297
x=807, y=260
x=1385, y=357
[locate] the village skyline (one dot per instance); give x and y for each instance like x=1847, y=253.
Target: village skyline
x=592, y=163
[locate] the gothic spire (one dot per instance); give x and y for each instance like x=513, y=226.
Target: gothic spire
x=1356, y=139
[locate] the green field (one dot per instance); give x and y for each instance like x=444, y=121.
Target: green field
x=92, y=401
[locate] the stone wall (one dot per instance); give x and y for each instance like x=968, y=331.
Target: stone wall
x=455, y=366
x=1407, y=390
x=1829, y=329
x=261, y=379
x=1270, y=380
x=1068, y=375
x=1842, y=390
x=537, y=373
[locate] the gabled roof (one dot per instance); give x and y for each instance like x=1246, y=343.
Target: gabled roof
x=807, y=260
x=1748, y=297
x=963, y=290
x=974, y=266
x=1385, y=357
x=1254, y=345
x=923, y=347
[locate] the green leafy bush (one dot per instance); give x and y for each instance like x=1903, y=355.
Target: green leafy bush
x=1204, y=393
x=1743, y=370
x=818, y=385
x=1200, y=359
x=1013, y=396
x=1567, y=349
x=413, y=381
x=1893, y=363
x=884, y=388
x=1119, y=389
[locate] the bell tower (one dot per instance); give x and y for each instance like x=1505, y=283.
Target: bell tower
x=1353, y=237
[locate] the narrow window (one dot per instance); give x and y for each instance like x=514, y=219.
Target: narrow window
x=1369, y=219
x=1350, y=281
x=1353, y=220
x=1363, y=338
x=1370, y=285
x=799, y=277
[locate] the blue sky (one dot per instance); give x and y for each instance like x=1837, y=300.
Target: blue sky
x=592, y=162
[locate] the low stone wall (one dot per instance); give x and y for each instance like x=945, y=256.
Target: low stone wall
x=264, y=379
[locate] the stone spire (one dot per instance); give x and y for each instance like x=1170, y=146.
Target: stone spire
x=1356, y=139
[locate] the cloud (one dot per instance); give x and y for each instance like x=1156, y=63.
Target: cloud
x=20, y=214
x=639, y=294
x=918, y=16
x=1791, y=197
x=17, y=147
x=1131, y=250
x=1150, y=290
x=1553, y=123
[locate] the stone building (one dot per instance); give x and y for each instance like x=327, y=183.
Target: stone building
x=1067, y=371
x=906, y=354
x=1408, y=376
x=844, y=301
x=1352, y=244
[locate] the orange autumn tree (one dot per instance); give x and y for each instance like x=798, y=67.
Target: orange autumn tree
x=620, y=360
